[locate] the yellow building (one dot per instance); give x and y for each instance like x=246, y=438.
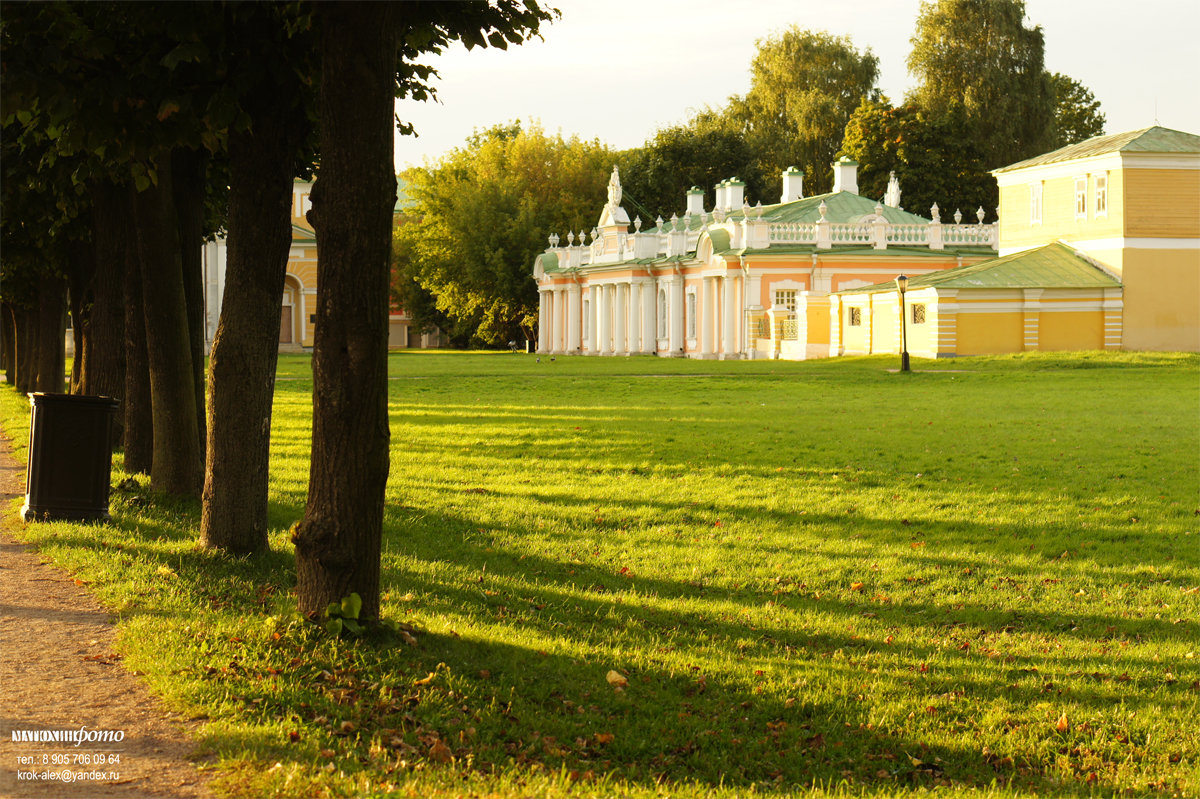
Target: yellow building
x=1132, y=202
x=1099, y=249
x=298, y=314
x=297, y=317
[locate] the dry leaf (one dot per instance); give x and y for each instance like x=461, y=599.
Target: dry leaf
x=604, y=737
x=856, y=586
x=440, y=753
x=1063, y=725
x=616, y=679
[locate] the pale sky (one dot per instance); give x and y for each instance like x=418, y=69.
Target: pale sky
x=618, y=71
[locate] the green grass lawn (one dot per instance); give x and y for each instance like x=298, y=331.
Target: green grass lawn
x=812, y=578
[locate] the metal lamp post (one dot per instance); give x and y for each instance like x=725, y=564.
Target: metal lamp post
x=902, y=286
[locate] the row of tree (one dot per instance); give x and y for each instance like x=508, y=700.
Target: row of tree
x=131, y=130
x=983, y=99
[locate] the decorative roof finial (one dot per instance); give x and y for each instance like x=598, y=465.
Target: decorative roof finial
x=614, y=188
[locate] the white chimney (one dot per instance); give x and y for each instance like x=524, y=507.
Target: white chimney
x=695, y=201
x=845, y=175
x=735, y=194
x=793, y=185
x=719, y=201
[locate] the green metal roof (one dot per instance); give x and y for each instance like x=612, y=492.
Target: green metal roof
x=302, y=235
x=1146, y=140
x=840, y=207
x=1055, y=266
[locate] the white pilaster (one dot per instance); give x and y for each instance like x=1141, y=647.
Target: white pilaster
x=604, y=322
x=729, y=345
x=649, y=321
x=620, y=319
x=635, y=317
x=675, y=315
x=706, y=304
x=574, y=318
x=544, y=323
x=594, y=320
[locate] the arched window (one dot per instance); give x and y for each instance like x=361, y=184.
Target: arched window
x=662, y=313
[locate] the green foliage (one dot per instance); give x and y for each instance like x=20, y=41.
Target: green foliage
x=932, y=154
x=655, y=177
x=482, y=213
x=1077, y=114
x=905, y=592
x=343, y=616
x=980, y=54
x=804, y=87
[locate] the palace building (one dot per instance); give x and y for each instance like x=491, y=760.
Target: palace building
x=1097, y=247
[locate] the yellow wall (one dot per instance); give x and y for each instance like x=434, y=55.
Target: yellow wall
x=990, y=333
x=1162, y=300
x=818, y=321
x=854, y=337
x=1162, y=202
x=885, y=324
x=1058, y=210
x=922, y=338
x=1070, y=330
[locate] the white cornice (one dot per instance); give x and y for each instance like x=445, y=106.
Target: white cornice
x=1097, y=163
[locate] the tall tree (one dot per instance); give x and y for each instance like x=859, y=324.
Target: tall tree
x=933, y=156
x=482, y=213
x=657, y=176
x=980, y=53
x=1077, y=114
x=112, y=85
x=338, y=541
x=804, y=85
x=272, y=58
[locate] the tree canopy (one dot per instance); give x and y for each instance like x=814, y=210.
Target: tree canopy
x=930, y=153
x=804, y=86
x=981, y=54
x=656, y=176
x=482, y=213
x=1077, y=114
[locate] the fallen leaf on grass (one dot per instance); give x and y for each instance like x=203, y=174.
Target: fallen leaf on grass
x=604, y=738
x=1063, y=725
x=440, y=753
x=616, y=679
x=856, y=586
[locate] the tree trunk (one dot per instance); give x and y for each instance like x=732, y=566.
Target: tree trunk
x=245, y=350
x=51, y=334
x=138, y=417
x=189, y=169
x=178, y=464
x=80, y=272
x=26, y=323
x=8, y=342
x=338, y=541
x=104, y=325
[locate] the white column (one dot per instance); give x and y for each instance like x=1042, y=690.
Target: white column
x=544, y=322
x=635, y=317
x=604, y=322
x=594, y=321
x=620, y=318
x=574, y=318
x=675, y=315
x=558, y=341
x=730, y=333
x=649, y=323
x=707, y=308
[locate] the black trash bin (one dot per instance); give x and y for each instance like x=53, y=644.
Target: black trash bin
x=70, y=457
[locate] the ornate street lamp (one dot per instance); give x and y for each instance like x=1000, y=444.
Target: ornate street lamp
x=902, y=286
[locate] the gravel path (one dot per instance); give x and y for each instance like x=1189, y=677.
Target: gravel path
x=58, y=671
